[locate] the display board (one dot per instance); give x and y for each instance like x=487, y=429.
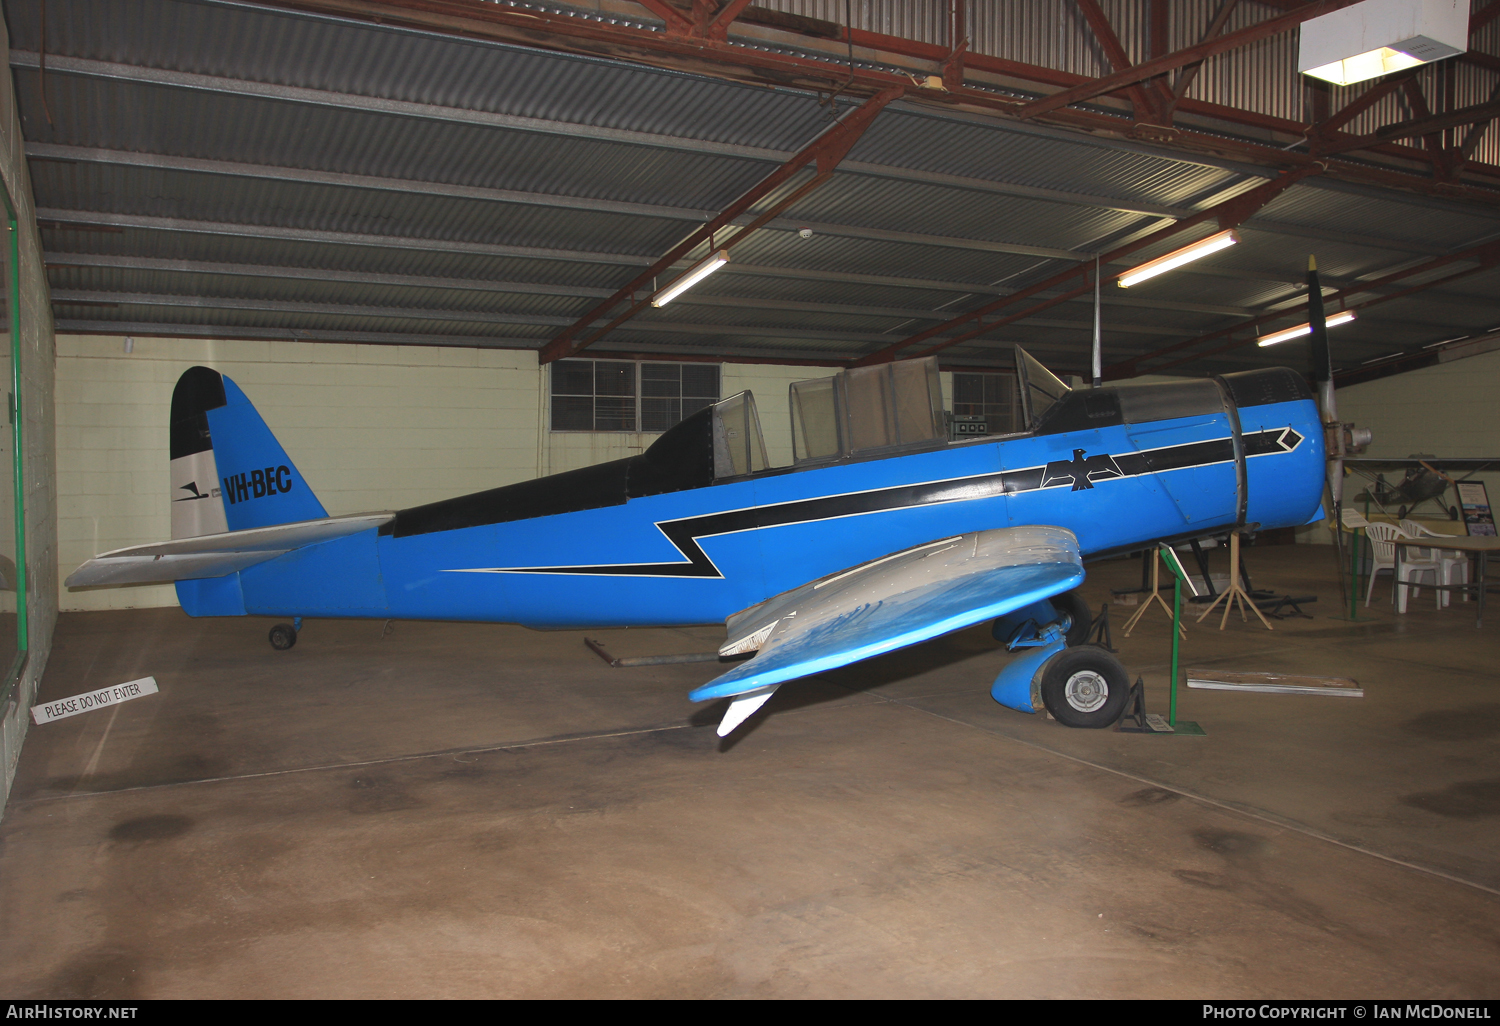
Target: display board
x=1475, y=502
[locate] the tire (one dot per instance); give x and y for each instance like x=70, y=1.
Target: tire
x=1072, y=605
x=1401, y=513
x=283, y=637
x=1452, y=512
x=1085, y=687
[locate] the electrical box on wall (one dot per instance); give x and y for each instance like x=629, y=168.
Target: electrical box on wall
x=1378, y=37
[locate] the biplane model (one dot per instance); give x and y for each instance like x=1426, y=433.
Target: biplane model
x=881, y=534
x=1425, y=480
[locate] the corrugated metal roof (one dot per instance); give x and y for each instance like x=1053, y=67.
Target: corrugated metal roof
x=305, y=290
x=873, y=224
x=153, y=193
x=372, y=260
x=138, y=117
x=290, y=48
x=932, y=210
x=959, y=147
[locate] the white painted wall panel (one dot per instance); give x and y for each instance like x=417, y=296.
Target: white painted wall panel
x=371, y=427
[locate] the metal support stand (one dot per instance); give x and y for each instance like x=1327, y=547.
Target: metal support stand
x=1155, y=597
x=1236, y=592
x=1099, y=631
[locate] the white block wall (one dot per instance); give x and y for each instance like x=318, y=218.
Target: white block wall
x=1451, y=409
x=371, y=428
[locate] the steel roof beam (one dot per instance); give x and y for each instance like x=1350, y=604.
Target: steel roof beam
x=1188, y=55
x=166, y=329
x=94, y=218
x=821, y=155
x=98, y=297
x=119, y=262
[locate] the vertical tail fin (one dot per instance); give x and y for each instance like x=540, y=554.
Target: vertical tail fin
x=229, y=473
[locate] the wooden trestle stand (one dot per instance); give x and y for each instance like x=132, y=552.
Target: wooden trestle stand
x=1156, y=558
x=1236, y=590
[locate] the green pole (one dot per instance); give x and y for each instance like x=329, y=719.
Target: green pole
x=1176, y=637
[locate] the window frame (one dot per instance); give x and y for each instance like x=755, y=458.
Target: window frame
x=553, y=395
x=1016, y=410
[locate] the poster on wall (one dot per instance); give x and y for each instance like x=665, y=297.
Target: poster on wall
x=1476, y=506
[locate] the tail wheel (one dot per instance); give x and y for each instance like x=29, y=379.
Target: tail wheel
x=1085, y=687
x=283, y=636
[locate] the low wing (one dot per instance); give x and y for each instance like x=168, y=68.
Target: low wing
x=890, y=603
x=214, y=555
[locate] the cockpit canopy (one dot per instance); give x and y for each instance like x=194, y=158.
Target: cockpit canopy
x=866, y=410
x=1040, y=388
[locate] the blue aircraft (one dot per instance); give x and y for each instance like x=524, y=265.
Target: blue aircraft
x=883, y=533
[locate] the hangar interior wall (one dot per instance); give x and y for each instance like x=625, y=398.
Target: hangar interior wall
x=371, y=427
x=36, y=415
x=1449, y=409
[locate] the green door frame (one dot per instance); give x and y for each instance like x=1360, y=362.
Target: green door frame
x=13, y=290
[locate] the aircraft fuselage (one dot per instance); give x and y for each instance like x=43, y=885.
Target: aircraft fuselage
x=1119, y=467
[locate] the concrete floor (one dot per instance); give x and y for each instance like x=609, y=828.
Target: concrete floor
x=484, y=811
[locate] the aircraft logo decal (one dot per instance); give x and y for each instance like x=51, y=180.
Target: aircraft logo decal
x=1081, y=472
x=192, y=486
x=685, y=534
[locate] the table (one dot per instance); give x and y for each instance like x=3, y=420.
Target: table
x=1480, y=546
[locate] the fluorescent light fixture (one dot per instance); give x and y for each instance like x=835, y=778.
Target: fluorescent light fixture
x=1387, y=356
x=1455, y=338
x=1342, y=317
x=692, y=276
x=1178, y=257
x=1363, y=66
x=1376, y=37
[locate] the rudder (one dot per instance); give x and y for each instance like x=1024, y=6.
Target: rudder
x=229, y=472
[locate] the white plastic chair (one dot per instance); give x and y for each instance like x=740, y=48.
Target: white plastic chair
x=1383, y=557
x=1455, y=564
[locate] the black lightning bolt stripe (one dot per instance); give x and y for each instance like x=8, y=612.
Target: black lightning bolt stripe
x=685, y=534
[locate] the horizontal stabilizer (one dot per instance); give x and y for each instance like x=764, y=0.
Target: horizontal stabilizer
x=896, y=601
x=742, y=708
x=215, y=555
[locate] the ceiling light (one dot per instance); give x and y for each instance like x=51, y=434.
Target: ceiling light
x=1342, y=317
x=692, y=276
x=1376, y=37
x=1178, y=257
x=1364, y=66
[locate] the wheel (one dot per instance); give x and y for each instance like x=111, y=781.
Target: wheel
x=1401, y=513
x=1072, y=605
x=1085, y=687
x=1452, y=512
x=283, y=637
